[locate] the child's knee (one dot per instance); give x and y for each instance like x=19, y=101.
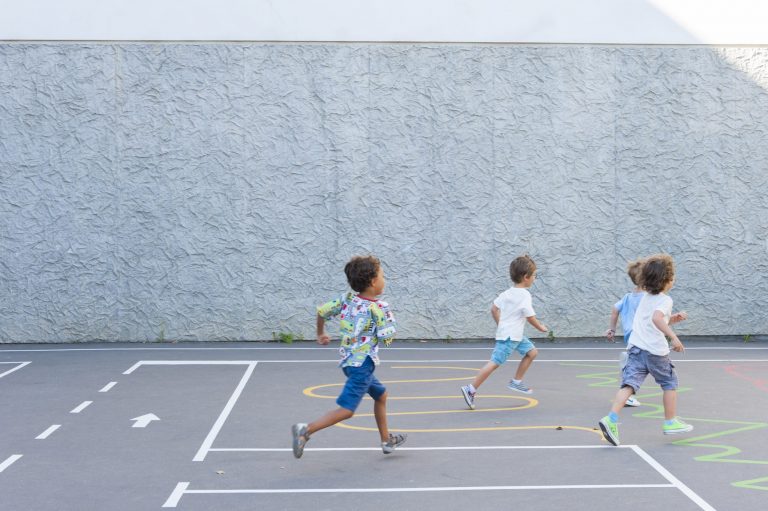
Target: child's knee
x=382, y=398
x=532, y=354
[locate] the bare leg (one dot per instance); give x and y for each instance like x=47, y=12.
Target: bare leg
x=670, y=404
x=380, y=412
x=525, y=363
x=329, y=419
x=621, y=398
x=484, y=373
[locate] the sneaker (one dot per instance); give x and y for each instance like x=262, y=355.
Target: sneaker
x=394, y=442
x=610, y=430
x=519, y=387
x=300, y=439
x=676, y=427
x=632, y=401
x=469, y=397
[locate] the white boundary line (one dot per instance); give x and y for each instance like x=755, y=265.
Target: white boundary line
x=672, y=479
x=45, y=434
x=447, y=448
x=108, y=386
x=21, y=364
x=209, y=439
x=538, y=360
x=486, y=346
x=182, y=488
x=82, y=406
x=10, y=461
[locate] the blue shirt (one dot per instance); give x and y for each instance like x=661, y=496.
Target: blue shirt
x=627, y=307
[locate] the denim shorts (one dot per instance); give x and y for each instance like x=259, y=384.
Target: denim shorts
x=504, y=349
x=641, y=363
x=360, y=381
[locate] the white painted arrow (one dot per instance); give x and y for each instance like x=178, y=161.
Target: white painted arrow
x=141, y=422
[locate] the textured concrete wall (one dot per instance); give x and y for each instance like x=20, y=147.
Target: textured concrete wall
x=215, y=191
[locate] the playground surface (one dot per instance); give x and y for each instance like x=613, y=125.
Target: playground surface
x=206, y=426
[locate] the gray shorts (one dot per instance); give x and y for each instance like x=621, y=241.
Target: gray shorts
x=640, y=363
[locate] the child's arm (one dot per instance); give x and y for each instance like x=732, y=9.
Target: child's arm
x=611, y=332
x=322, y=337
x=660, y=322
x=496, y=313
x=535, y=324
x=678, y=317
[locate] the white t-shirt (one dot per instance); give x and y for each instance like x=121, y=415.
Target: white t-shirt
x=515, y=305
x=645, y=335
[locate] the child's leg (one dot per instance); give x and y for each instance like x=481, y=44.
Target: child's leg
x=670, y=404
x=484, y=373
x=329, y=419
x=621, y=398
x=380, y=412
x=525, y=363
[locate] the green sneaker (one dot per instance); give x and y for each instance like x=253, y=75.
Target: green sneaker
x=677, y=427
x=610, y=430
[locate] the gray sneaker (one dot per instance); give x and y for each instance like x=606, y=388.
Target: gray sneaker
x=519, y=387
x=469, y=397
x=394, y=442
x=300, y=439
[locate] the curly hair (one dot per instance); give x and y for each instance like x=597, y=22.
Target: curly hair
x=658, y=271
x=521, y=267
x=360, y=271
x=634, y=270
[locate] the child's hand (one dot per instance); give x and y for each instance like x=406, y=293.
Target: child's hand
x=323, y=339
x=678, y=317
x=544, y=328
x=611, y=334
x=676, y=345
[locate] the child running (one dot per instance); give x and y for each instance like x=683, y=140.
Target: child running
x=511, y=310
x=625, y=309
x=648, y=350
x=364, y=321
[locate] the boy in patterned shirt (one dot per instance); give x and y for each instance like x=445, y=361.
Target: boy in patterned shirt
x=364, y=321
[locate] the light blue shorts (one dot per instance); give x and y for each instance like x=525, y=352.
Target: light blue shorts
x=504, y=349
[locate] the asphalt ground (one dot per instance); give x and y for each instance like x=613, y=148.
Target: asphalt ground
x=207, y=427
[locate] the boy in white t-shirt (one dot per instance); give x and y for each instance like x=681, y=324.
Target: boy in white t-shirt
x=648, y=350
x=511, y=310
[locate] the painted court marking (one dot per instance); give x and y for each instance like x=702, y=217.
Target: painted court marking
x=108, y=386
x=9, y=371
x=45, y=434
x=10, y=461
x=82, y=406
x=182, y=488
x=213, y=433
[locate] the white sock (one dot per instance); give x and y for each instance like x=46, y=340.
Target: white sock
x=472, y=389
x=516, y=381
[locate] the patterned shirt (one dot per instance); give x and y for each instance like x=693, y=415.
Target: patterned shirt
x=363, y=323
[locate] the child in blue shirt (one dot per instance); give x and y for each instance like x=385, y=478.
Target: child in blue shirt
x=364, y=321
x=625, y=309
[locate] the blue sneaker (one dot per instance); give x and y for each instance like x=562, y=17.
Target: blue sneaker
x=519, y=387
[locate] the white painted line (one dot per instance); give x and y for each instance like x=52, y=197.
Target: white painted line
x=436, y=489
x=208, y=442
x=45, y=434
x=446, y=448
x=483, y=360
x=108, y=386
x=487, y=346
x=21, y=364
x=176, y=495
x=672, y=479
x=82, y=406
x=189, y=363
x=10, y=461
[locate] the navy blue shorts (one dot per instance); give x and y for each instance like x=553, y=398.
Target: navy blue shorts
x=641, y=363
x=360, y=381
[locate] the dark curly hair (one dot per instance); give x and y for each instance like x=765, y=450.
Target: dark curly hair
x=658, y=271
x=521, y=267
x=360, y=271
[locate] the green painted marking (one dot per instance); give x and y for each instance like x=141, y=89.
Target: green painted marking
x=723, y=454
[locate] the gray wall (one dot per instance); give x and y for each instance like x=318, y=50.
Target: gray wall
x=215, y=191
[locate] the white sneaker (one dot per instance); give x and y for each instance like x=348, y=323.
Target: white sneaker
x=632, y=401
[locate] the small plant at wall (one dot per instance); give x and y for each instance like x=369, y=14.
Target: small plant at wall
x=286, y=337
x=161, y=335
x=551, y=336
x=748, y=338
